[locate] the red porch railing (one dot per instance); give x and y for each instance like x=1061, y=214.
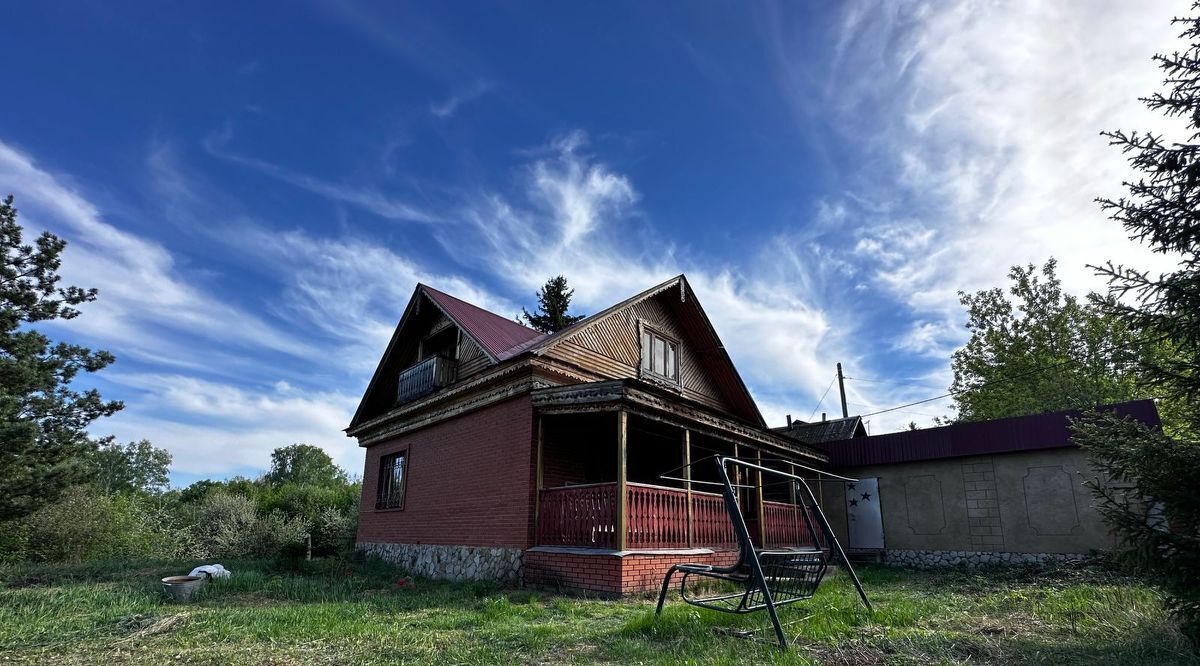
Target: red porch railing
x=711, y=526
x=784, y=525
x=581, y=516
x=586, y=516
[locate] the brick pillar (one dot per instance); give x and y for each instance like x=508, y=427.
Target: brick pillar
x=983, y=506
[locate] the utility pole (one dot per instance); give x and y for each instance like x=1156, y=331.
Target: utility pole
x=842, y=390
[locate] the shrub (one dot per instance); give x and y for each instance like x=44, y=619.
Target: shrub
x=335, y=530
x=230, y=525
x=86, y=523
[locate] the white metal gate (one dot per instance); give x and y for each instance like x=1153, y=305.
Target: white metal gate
x=864, y=516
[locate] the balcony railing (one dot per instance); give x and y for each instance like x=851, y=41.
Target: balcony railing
x=586, y=517
x=425, y=377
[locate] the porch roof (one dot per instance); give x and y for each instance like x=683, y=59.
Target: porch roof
x=666, y=406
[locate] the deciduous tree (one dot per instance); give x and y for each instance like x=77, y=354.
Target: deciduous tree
x=1037, y=349
x=303, y=464
x=136, y=466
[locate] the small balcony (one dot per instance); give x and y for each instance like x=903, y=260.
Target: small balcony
x=425, y=377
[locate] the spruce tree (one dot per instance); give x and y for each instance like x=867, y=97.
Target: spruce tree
x=554, y=300
x=1149, y=491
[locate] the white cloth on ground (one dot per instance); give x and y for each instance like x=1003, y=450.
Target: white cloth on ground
x=211, y=571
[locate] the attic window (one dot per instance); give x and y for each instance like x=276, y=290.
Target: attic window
x=660, y=356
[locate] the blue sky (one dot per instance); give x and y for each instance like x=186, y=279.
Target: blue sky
x=255, y=189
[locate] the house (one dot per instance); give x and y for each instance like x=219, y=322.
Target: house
x=496, y=452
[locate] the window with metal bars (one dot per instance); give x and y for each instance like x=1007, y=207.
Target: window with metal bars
x=390, y=492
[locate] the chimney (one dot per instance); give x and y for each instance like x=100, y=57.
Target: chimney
x=789, y=417
x=822, y=417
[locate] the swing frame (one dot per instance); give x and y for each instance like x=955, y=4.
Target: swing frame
x=767, y=578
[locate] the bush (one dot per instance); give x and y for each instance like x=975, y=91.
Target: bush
x=335, y=530
x=230, y=525
x=87, y=523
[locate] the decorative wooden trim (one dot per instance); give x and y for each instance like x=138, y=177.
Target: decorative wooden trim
x=617, y=394
x=622, y=491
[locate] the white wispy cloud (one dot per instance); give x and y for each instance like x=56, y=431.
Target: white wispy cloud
x=362, y=196
x=213, y=428
x=146, y=298
x=447, y=107
x=984, y=119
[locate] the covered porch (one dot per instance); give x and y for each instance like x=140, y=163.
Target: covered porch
x=620, y=469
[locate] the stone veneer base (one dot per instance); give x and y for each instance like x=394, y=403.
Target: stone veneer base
x=452, y=562
x=932, y=559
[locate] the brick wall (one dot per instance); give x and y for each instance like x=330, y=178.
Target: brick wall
x=610, y=574
x=469, y=482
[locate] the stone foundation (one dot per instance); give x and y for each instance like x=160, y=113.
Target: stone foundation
x=452, y=562
x=932, y=559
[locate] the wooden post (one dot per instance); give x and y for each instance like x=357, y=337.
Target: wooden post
x=537, y=493
x=687, y=474
x=762, y=522
x=795, y=508
x=737, y=477
x=622, y=492
x=792, y=485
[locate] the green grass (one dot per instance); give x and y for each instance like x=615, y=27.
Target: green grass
x=332, y=612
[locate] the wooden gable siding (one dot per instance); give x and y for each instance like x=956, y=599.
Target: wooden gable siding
x=471, y=358
x=612, y=348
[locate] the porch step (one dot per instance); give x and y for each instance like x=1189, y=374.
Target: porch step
x=867, y=555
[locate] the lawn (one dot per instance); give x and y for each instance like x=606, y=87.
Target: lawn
x=333, y=612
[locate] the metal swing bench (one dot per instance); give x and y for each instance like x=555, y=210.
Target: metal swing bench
x=764, y=578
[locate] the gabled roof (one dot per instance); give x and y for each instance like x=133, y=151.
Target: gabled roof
x=819, y=432
x=499, y=336
x=503, y=339
x=976, y=438
x=720, y=365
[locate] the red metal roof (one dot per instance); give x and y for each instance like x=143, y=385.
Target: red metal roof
x=499, y=336
x=976, y=438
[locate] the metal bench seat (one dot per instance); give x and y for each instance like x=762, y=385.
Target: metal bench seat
x=761, y=578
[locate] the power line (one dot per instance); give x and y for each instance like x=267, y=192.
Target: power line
x=977, y=386
x=895, y=382
x=814, y=411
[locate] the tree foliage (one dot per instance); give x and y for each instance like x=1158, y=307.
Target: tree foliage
x=554, y=300
x=1036, y=349
x=133, y=467
x=1157, y=513
x=303, y=464
x=44, y=445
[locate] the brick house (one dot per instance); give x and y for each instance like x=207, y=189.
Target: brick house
x=496, y=452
